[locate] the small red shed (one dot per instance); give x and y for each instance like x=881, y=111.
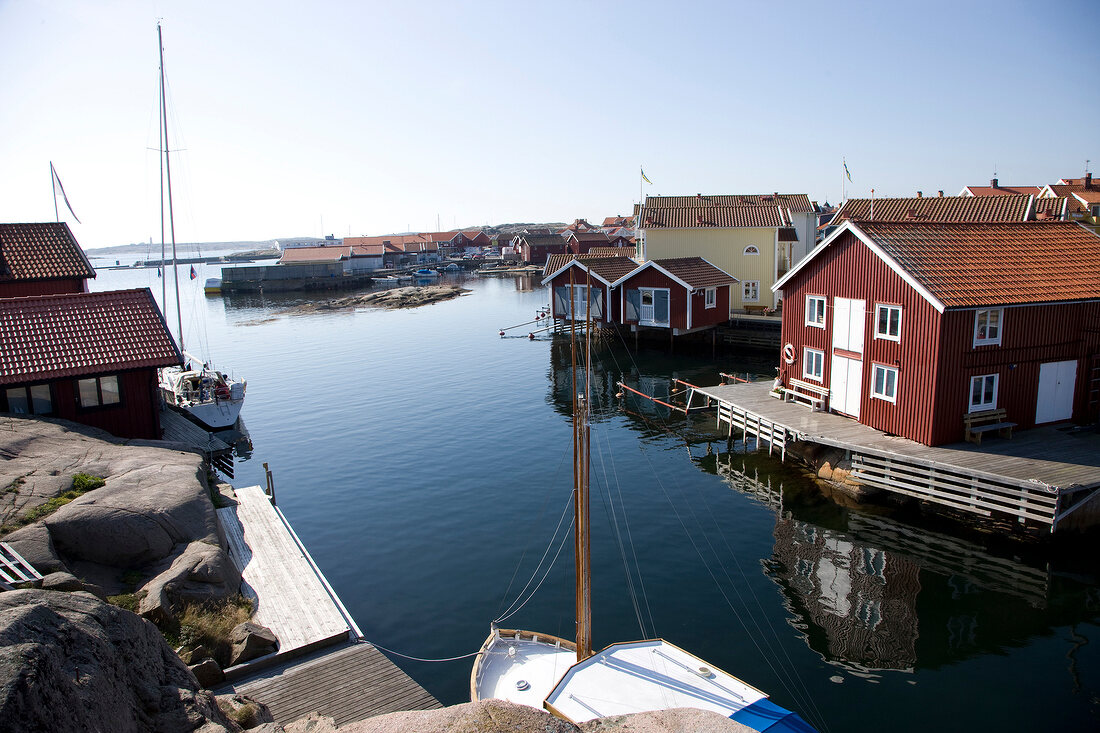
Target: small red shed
x=573, y=280
x=87, y=357
x=910, y=326
x=41, y=259
x=684, y=294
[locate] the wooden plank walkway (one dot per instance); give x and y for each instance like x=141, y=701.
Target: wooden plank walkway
x=1029, y=476
x=349, y=683
x=290, y=596
x=179, y=429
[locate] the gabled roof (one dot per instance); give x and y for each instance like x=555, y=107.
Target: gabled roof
x=45, y=251
x=1052, y=208
x=691, y=272
x=79, y=334
x=612, y=222
x=543, y=240
x=596, y=236
x=390, y=238
x=1089, y=197
x=315, y=254
x=939, y=208
x=1068, y=190
x=711, y=217
x=605, y=269
x=1000, y=190
x=797, y=202
x=368, y=250
x=966, y=265
x=427, y=236
x=612, y=251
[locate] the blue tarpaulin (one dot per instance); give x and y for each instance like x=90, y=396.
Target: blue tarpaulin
x=763, y=715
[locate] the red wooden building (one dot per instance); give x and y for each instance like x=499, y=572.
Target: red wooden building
x=588, y=279
x=913, y=325
x=87, y=357
x=684, y=294
x=534, y=248
x=41, y=259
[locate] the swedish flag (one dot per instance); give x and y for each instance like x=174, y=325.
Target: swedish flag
x=644, y=178
x=846, y=172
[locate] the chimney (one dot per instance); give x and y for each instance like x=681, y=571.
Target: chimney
x=698, y=195
x=920, y=194
x=1088, y=181
x=993, y=182
x=939, y=194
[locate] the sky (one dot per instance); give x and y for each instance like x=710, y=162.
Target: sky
x=301, y=119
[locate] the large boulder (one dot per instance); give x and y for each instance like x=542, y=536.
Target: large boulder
x=250, y=640
x=201, y=572
x=36, y=546
x=69, y=662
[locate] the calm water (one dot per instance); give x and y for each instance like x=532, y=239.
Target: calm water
x=425, y=463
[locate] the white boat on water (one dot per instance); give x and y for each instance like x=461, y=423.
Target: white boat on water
x=209, y=396
x=425, y=272
x=569, y=680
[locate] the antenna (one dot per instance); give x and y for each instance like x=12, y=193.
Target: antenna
x=995, y=170
x=1087, y=161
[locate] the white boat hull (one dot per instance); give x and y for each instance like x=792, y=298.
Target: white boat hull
x=520, y=666
x=208, y=396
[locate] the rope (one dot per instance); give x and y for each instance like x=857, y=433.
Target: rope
x=422, y=659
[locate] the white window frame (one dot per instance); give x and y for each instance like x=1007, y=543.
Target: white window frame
x=710, y=298
x=752, y=249
x=987, y=340
x=879, y=307
x=811, y=321
x=982, y=406
x=811, y=357
x=886, y=393
x=745, y=284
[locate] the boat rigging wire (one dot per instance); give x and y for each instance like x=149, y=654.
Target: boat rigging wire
x=565, y=537
x=421, y=659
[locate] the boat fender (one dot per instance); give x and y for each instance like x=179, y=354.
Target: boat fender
x=531, y=337
x=788, y=353
x=502, y=333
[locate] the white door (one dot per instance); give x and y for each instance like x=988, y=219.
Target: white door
x=645, y=313
x=1057, y=380
x=845, y=385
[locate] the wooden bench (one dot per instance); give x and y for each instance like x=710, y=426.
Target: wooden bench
x=814, y=395
x=977, y=423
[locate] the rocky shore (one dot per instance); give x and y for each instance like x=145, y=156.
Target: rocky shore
x=404, y=297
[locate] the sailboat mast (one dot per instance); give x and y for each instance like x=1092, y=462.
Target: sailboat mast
x=581, y=444
x=168, y=178
x=160, y=150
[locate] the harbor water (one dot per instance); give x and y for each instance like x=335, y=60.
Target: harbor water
x=426, y=462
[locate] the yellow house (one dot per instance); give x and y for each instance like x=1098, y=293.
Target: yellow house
x=755, y=238
x=1084, y=200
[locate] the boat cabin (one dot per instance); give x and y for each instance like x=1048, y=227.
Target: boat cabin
x=684, y=294
x=87, y=357
x=938, y=331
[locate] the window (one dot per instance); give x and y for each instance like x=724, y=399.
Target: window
x=98, y=391
x=987, y=326
x=752, y=250
x=750, y=292
x=983, y=393
x=884, y=383
x=34, y=400
x=711, y=297
x=815, y=310
x=813, y=363
x=1096, y=210
x=888, y=322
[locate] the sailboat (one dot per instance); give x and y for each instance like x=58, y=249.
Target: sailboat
x=570, y=680
x=196, y=389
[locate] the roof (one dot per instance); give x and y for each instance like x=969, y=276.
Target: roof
x=611, y=222
x=797, y=202
x=46, y=251
x=711, y=217
x=1050, y=208
x=608, y=269
x=367, y=250
x=788, y=234
x=596, y=236
x=939, y=208
x=79, y=334
x=1003, y=190
x=967, y=265
x=691, y=272
x=315, y=254
x=612, y=251
x=543, y=240
x=1091, y=196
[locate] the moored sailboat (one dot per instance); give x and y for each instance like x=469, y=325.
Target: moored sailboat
x=196, y=389
x=571, y=681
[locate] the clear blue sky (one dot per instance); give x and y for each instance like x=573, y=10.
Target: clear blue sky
x=379, y=117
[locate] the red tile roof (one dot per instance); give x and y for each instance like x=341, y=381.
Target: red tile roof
x=696, y=272
x=1091, y=196
x=315, y=254
x=596, y=236
x=1004, y=190
x=797, y=202
x=944, y=209
x=711, y=216
x=612, y=222
x=542, y=240
x=55, y=336
x=612, y=251
x=1049, y=208
x=968, y=265
x=45, y=251
x=367, y=250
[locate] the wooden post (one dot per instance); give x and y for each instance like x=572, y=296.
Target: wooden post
x=270, y=484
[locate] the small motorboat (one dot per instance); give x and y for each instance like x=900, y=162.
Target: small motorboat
x=213, y=286
x=426, y=272
x=452, y=267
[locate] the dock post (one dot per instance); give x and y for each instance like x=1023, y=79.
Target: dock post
x=270, y=484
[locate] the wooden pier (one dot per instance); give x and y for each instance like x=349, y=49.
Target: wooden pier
x=1041, y=475
x=322, y=664
x=178, y=429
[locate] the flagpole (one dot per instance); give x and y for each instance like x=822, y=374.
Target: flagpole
x=53, y=188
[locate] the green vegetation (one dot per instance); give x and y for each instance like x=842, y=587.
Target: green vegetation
x=209, y=624
x=82, y=484
x=13, y=487
x=129, y=601
x=245, y=716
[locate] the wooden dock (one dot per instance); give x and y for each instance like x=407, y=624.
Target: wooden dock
x=1041, y=475
x=322, y=664
x=347, y=683
x=178, y=429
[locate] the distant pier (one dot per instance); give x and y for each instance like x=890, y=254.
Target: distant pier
x=1041, y=477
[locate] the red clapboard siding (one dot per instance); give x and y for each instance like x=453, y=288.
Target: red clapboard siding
x=677, y=297
x=28, y=288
